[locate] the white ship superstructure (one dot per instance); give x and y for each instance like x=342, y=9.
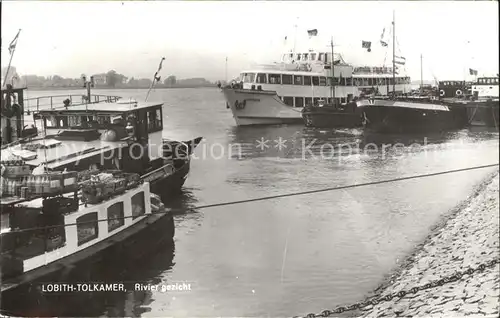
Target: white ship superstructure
x=276, y=93
x=486, y=87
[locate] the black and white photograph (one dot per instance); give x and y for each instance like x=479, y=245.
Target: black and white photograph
x=250, y=159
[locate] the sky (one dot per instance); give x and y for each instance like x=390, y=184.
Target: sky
x=69, y=38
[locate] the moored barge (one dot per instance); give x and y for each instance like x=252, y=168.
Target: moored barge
x=396, y=113
x=54, y=220
x=332, y=115
x=408, y=115
x=480, y=99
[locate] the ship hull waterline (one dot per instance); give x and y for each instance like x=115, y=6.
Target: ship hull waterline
x=172, y=184
x=322, y=118
x=254, y=107
x=484, y=114
x=397, y=117
x=131, y=244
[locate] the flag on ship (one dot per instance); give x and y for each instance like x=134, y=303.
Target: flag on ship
x=12, y=45
x=313, y=32
x=366, y=45
x=472, y=71
x=382, y=42
x=156, y=77
x=400, y=60
x=161, y=63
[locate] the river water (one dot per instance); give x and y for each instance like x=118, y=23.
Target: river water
x=292, y=255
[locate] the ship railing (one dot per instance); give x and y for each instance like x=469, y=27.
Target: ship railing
x=304, y=66
x=35, y=104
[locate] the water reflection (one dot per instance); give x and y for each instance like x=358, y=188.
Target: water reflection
x=181, y=203
x=116, y=266
x=31, y=302
x=296, y=142
x=292, y=142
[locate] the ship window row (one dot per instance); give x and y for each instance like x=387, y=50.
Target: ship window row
x=66, y=121
x=153, y=115
x=360, y=81
x=376, y=70
x=309, y=101
x=88, y=225
x=452, y=83
x=289, y=79
x=311, y=56
x=492, y=81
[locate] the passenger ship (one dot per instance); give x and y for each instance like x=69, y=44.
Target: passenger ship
x=277, y=93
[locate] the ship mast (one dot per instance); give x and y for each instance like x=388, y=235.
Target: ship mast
x=295, y=38
x=156, y=78
x=393, y=54
x=333, y=72
x=226, y=72
x=421, y=73
x=12, y=50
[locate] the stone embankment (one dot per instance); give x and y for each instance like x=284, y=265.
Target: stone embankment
x=467, y=240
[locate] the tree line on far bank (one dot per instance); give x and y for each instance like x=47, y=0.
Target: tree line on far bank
x=110, y=79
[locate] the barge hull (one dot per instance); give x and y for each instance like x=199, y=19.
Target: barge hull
x=125, y=244
x=400, y=116
x=332, y=120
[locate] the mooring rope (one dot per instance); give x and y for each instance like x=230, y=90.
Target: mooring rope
x=271, y=197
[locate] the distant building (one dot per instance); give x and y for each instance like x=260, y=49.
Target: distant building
x=99, y=79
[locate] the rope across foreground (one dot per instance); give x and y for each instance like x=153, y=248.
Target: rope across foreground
x=272, y=197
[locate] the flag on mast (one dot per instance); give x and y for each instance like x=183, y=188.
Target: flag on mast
x=366, y=45
x=313, y=32
x=382, y=42
x=472, y=71
x=12, y=45
x=400, y=60
x=156, y=77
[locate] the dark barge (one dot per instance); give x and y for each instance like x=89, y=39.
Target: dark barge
x=332, y=115
x=410, y=115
